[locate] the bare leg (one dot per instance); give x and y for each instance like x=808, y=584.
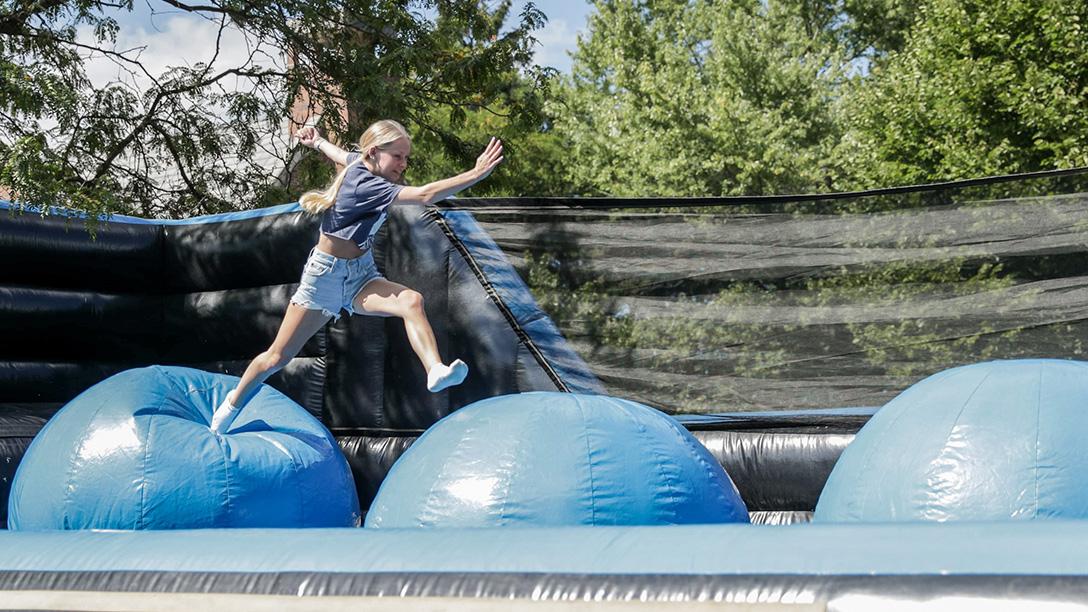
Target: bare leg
x=383, y=297
x=299, y=325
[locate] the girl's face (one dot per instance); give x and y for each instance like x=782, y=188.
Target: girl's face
x=390, y=162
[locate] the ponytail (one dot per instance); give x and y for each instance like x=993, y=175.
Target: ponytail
x=381, y=134
x=318, y=200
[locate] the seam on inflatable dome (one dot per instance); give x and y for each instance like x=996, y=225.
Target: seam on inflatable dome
x=226, y=483
x=1038, y=412
x=143, y=463
x=860, y=505
x=700, y=452
x=296, y=472
x=589, y=461
x=963, y=407
x=70, y=478
x=515, y=462
x=440, y=477
x=661, y=459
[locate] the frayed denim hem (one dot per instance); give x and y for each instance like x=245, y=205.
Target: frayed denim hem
x=335, y=315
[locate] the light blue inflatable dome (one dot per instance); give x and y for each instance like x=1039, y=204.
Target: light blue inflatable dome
x=135, y=452
x=536, y=459
x=993, y=441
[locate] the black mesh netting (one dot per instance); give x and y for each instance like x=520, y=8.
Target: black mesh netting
x=803, y=304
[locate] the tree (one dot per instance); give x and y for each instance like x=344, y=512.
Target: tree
x=979, y=88
x=535, y=153
x=102, y=148
x=871, y=29
x=705, y=97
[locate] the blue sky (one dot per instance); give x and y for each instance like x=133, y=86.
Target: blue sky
x=566, y=18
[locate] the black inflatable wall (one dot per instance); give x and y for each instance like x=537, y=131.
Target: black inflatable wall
x=210, y=293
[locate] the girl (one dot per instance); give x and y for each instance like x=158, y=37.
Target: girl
x=340, y=273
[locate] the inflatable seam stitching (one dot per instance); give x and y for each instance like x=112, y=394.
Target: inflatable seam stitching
x=866, y=494
x=299, y=488
x=143, y=467
x=226, y=482
x=966, y=403
x=295, y=472
x=516, y=462
x=700, y=452
x=69, y=481
x=589, y=462
x=428, y=500
x=1038, y=416
x=670, y=484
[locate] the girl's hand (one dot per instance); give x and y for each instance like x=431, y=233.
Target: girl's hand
x=308, y=136
x=491, y=157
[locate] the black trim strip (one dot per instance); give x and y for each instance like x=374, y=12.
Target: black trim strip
x=375, y=432
x=608, y=203
x=827, y=423
x=522, y=335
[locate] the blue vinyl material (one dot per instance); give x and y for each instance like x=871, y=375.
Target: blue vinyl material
x=214, y=218
x=549, y=458
x=513, y=291
x=135, y=452
x=1001, y=440
x=1052, y=548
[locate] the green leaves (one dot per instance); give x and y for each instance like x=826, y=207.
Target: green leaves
x=716, y=97
x=701, y=98
x=202, y=136
x=667, y=97
x=711, y=97
x=979, y=88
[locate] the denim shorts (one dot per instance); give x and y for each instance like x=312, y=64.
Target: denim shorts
x=330, y=284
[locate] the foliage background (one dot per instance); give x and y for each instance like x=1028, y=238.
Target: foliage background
x=669, y=98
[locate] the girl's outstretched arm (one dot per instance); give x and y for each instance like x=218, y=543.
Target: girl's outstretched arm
x=309, y=136
x=440, y=190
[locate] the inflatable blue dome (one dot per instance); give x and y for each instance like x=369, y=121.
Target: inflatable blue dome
x=135, y=452
x=555, y=459
x=992, y=441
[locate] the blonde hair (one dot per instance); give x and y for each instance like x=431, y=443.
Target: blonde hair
x=380, y=134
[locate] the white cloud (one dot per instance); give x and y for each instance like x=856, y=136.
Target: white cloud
x=556, y=40
x=185, y=41
x=182, y=41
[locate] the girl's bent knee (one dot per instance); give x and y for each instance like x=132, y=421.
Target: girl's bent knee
x=411, y=300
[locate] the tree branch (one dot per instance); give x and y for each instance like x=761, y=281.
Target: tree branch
x=192, y=187
x=13, y=23
x=159, y=97
x=39, y=35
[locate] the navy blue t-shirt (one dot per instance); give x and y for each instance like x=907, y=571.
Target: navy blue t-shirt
x=360, y=205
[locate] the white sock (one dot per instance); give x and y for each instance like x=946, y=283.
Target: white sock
x=223, y=416
x=443, y=376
